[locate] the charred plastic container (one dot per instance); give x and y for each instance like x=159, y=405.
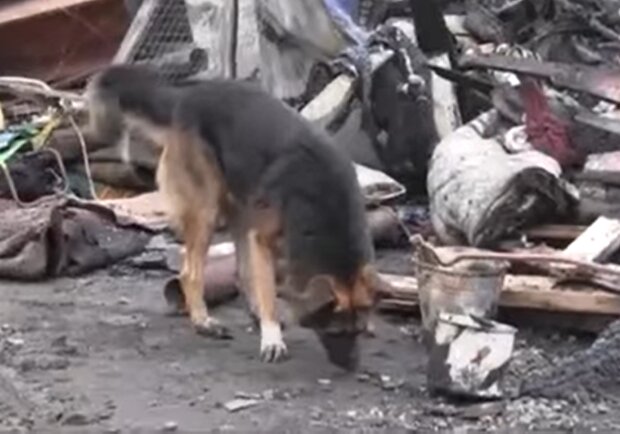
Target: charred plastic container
x=469, y=356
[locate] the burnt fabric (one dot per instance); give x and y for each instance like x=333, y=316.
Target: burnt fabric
x=35, y=174
x=479, y=193
x=60, y=236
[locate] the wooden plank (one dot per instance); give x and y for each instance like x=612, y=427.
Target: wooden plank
x=63, y=44
x=532, y=292
x=13, y=11
x=332, y=100
x=212, y=24
x=445, y=105
x=536, y=292
x=598, y=242
x=555, y=232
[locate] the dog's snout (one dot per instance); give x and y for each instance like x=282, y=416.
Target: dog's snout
x=340, y=338
x=342, y=349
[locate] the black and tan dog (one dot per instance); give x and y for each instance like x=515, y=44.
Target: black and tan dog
x=231, y=149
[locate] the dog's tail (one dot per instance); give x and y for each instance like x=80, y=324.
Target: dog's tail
x=127, y=90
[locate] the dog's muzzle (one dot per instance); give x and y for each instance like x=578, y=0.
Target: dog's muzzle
x=339, y=334
x=342, y=348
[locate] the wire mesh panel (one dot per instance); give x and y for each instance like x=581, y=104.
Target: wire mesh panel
x=162, y=37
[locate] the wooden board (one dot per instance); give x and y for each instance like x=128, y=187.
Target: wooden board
x=600, y=240
x=555, y=232
x=16, y=10
x=532, y=292
x=332, y=100
x=59, y=41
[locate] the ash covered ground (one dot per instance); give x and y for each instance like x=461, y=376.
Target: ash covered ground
x=99, y=353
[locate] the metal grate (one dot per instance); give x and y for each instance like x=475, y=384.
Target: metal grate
x=166, y=42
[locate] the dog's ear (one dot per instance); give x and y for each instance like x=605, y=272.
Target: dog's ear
x=320, y=291
x=377, y=287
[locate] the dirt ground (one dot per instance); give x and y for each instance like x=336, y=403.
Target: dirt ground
x=98, y=354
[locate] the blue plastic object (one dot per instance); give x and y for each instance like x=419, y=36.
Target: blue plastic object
x=342, y=11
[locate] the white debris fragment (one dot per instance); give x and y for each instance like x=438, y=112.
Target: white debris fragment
x=240, y=404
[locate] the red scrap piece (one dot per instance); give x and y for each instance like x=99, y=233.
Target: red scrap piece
x=547, y=131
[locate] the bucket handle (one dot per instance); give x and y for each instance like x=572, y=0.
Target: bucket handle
x=417, y=240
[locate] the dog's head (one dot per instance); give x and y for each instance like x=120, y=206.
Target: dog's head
x=337, y=310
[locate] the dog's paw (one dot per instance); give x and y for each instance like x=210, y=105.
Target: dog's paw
x=272, y=346
x=212, y=328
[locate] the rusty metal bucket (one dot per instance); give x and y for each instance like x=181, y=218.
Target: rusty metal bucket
x=469, y=287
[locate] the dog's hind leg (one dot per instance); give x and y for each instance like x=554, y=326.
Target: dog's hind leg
x=193, y=190
x=198, y=228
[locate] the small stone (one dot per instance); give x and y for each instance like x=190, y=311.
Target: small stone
x=75, y=419
x=268, y=394
x=15, y=342
x=123, y=301
x=602, y=408
x=171, y=426
x=246, y=395
x=316, y=414
x=363, y=378
x=325, y=382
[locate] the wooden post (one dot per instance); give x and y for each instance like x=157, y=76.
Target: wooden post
x=248, y=49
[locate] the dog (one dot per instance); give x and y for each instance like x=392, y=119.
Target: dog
x=230, y=149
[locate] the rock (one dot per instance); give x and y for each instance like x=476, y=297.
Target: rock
x=324, y=382
x=363, y=378
x=42, y=362
x=269, y=394
x=170, y=426
x=63, y=347
x=76, y=419
x=16, y=343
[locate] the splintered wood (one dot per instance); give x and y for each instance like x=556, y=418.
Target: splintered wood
x=531, y=292
x=600, y=240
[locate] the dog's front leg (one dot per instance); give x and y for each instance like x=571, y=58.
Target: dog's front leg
x=262, y=284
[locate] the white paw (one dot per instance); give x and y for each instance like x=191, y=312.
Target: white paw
x=272, y=346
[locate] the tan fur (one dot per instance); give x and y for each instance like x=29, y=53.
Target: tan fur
x=194, y=189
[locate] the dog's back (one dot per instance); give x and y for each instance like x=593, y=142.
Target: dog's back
x=266, y=149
